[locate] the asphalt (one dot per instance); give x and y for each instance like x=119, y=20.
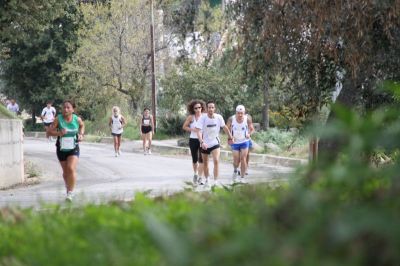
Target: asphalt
x=102, y=177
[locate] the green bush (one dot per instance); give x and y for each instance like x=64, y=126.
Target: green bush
x=172, y=124
x=30, y=126
x=285, y=139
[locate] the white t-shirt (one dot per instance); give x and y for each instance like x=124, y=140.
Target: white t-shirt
x=49, y=114
x=210, y=128
x=13, y=107
x=116, y=124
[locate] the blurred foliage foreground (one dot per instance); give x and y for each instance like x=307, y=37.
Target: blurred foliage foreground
x=345, y=212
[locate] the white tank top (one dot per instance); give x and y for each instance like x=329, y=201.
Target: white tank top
x=239, y=130
x=116, y=125
x=193, y=134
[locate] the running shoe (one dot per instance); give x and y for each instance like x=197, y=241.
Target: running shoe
x=119, y=152
x=116, y=154
x=208, y=182
x=195, y=179
x=70, y=196
x=217, y=183
x=149, y=151
x=200, y=181
x=235, y=177
x=242, y=180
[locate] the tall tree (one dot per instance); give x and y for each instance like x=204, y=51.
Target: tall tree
x=37, y=37
x=114, y=53
x=312, y=40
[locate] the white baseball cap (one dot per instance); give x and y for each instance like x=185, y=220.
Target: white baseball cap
x=240, y=108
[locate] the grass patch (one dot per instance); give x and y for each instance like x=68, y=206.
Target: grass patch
x=31, y=170
x=4, y=113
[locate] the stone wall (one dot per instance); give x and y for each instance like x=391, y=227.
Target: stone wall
x=11, y=152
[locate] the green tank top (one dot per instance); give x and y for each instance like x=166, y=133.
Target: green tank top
x=69, y=141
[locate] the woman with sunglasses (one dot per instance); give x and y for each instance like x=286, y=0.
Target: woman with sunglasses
x=195, y=108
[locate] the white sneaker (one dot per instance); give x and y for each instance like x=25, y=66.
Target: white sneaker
x=119, y=152
x=217, y=183
x=116, y=154
x=200, y=181
x=234, y=177
x=149, y=151
x=145, y=153
x=70, y=196
x=208, y=181
x=242, y=180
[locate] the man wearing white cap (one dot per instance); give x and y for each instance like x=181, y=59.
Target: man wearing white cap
x=208, y=128
x=241, y=127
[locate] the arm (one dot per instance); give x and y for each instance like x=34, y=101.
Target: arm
x=250, y=125
x=81, y=131
x=198, y=128
x=52, y=130
x=42, y=115
x=186, y=124
x=228, y=127
x=123, y=122
x=110, y=123
x=140, y=126
x=228, y=132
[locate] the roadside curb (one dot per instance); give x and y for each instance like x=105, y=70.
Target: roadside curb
x=225, y=155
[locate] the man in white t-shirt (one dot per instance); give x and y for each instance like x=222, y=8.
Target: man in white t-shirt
x=48, y=115
x=13, y=107
x=208, y=133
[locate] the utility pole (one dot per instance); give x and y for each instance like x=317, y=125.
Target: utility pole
x=153, y=75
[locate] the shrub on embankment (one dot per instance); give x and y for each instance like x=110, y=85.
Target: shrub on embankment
x=255, y=225
x=4, y=113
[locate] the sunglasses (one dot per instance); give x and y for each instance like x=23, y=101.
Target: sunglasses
x=198, y=107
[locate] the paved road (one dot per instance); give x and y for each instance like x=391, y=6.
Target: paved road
x=103, y=177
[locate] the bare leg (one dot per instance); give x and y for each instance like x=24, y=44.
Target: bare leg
x=150, y=138
x=72, y=162
x=115, y=138
x=243, y=162
x=144, y=142
x=205, y=165
x=195, y=167
x=215, y=154
x=200, y=169
x=236, y=159
x=64, y=167
x=118, y=143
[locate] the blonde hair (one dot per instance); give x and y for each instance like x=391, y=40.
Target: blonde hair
x=116, y=108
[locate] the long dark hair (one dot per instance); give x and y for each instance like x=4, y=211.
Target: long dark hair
x=192, y=103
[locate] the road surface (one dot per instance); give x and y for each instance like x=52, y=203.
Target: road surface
x=103, y=177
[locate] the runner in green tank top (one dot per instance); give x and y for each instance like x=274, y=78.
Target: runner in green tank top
x=69, y=130
x=68, y=141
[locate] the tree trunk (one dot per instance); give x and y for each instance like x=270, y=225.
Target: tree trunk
x=33, y=116
x=265, y=114
x=328, y=149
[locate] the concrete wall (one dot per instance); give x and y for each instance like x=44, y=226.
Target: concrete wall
x=11, y=152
